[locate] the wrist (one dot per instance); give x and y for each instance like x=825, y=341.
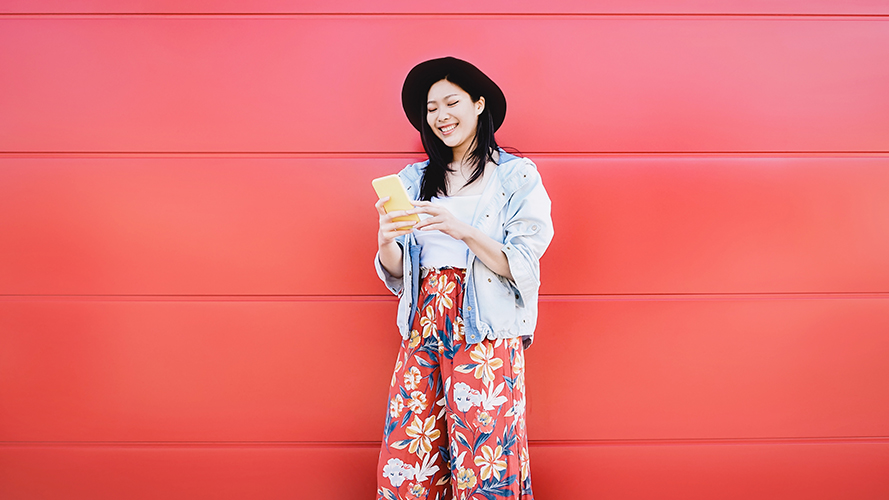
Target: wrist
x=385, y=245
x=470, y=233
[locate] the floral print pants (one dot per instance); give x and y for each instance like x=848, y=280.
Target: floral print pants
x=456, y=421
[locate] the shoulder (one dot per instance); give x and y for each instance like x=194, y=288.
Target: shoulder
x=411, y=176
x=516, y=171
x=413, y=172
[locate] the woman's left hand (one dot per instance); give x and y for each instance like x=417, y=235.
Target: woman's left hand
x=440, y=218
x=483, y=246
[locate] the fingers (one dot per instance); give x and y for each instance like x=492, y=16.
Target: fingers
x=390, y=231
x=389, y=225
x=386, y=217
x=424, y=207
x=390, y=228
x=381, y=209
x=379, y=205
x=425, y=225
x=430, y=223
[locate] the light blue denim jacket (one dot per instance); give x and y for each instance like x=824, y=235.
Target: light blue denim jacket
x=514, y=210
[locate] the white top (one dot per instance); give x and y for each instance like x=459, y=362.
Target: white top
x=440, y=250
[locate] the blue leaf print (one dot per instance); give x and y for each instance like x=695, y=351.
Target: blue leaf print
x=509, y=441
x=407, y=417
x=466, y=368
x=431, y=380
x=462, y=440
x=387, y=494
x=422, y=362
x=447, y=342
x=480, y=440
x=501, y=488
x=433, y=353
x=510, y=382
x=459, y=422
x=389, y=427
x=445, y=453
x=526, y=487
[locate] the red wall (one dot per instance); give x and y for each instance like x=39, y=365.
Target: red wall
x=188, y=307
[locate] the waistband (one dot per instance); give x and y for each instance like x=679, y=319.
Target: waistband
x=424, y=271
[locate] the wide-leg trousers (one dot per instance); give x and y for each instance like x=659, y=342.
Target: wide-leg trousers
x=455, y=425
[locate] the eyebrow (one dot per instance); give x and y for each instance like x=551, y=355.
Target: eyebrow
x=449, y=95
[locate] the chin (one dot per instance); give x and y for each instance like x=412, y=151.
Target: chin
x=452, y=142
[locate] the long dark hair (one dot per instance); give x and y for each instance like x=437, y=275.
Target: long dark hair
x=435, y=181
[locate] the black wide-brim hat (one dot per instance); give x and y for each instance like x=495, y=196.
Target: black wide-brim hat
x=416, y=88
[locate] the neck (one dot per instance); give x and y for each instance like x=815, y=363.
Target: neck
x=462, y=167
x=460, y=156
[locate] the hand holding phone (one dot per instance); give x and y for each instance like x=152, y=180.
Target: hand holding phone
x=392, y=187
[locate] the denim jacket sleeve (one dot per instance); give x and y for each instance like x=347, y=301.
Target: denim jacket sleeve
x=410, y=277
x=515, y=211
x=395, y=285
x=527, y=233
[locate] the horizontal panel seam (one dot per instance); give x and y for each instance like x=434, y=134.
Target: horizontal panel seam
x=712, y=296
x=716, y=441
x=533, y=442
x=391, y=298
x=419, y=155
x=191, y=444
x=504, y=15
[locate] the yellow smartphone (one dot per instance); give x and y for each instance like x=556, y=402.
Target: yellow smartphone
x=392, y=187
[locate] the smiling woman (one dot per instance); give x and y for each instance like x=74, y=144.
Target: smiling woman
x=452, y=114
x=468, y=276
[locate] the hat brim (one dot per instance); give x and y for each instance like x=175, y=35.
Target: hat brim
x=422, y=76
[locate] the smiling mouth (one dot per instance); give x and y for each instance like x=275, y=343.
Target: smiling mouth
x=447, y=129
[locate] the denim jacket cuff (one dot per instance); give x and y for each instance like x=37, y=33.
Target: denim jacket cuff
x=524, y=277
x=395, y=285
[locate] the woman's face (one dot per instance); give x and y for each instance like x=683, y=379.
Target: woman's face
x=452, y=115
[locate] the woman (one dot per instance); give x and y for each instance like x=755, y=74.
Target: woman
x=467, y=275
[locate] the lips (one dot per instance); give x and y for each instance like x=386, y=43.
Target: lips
x=447, y=129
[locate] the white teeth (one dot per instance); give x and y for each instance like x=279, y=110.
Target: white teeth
x=448, y=128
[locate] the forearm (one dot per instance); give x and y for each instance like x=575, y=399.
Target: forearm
x=483, y=246
x=391, y=258
x=488, y=250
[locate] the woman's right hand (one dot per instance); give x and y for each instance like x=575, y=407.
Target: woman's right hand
x=390, y=229
x=390, y=250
